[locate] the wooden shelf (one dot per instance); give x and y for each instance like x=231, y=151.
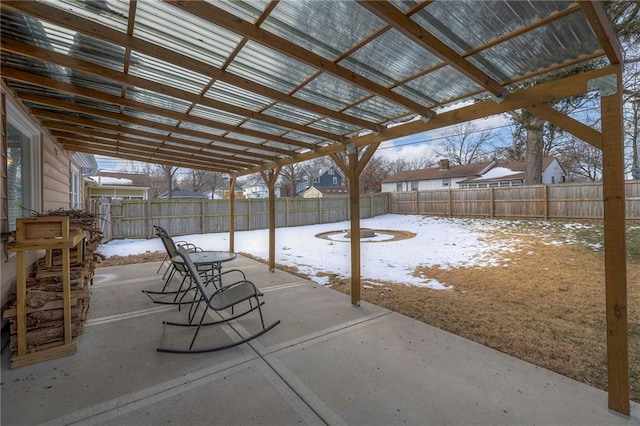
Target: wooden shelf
x=43, y=233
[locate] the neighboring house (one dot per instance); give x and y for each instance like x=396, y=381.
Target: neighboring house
x=512, y=174
x=258, y=189
x=316, y=191
x=182, y=194
x=325, y=177
x=442, y=177
x=118, y=186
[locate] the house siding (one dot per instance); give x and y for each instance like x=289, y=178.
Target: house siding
x=55, y=191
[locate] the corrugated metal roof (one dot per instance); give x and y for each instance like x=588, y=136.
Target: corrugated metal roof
x=292, y=79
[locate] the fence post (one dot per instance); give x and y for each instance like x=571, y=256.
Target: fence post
x=545, y=200
x=149, y=232
x=449, y=206
x=249, y=214
x=286, y=212
x=492, y=201
x=415, y=203
x=371, y=205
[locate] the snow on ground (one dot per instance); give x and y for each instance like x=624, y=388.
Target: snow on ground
x=443, y=242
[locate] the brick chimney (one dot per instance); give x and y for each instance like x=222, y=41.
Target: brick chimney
x=444, y=164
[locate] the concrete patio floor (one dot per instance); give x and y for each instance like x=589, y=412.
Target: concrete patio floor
x=326, y=363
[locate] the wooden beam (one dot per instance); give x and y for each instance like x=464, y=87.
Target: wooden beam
x=398, y=20
x=102, y=32
x=601, y=25
x=615, y=254
x=568, y=124
x=270, y=177
x=235, y=24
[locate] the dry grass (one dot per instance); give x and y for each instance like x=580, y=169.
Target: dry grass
x=546, y=307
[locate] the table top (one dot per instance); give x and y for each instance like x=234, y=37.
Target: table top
x=208, y=257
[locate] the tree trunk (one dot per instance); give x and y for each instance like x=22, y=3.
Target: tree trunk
x=535, y=145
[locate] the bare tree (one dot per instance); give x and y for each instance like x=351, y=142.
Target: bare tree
x=581, y=161
x=168, y=172
x=155, y=179
x=290, y=176
x=373, y=175
x=464, y=144
x=215, y=181
x=194, y=179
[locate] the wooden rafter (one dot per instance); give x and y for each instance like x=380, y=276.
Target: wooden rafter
x=168, y=151
x=135, y=155
x=232, y=23
x=16, y=75
x=120, y=77
x=150, y=109
x=552, y=91
x=601, y=25
x=94, y=29
x=394, y=17
x=155, y=125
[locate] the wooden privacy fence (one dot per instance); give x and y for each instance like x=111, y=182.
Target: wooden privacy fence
x=135, y=218
x=562, y=201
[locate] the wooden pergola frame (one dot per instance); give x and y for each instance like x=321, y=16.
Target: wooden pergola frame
x=238, y=156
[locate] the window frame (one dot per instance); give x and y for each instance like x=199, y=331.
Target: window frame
x=17, y=119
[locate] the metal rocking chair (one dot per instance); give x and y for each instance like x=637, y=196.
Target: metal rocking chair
x=231, y=296
x=175, y=268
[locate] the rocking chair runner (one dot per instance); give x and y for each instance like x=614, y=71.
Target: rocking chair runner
x=223, y=298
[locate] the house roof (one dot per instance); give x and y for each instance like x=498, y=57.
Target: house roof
x=239, y=87
x=331, y=190
x=507, y=171
x=122, y=179
x=183, y=193
x=465, y=170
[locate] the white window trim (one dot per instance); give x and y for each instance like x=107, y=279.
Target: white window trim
x=19, y=120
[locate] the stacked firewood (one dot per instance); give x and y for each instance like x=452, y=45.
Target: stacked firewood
x=44, y=297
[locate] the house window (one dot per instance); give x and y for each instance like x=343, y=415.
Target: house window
x=446, y=182
x=75, y=189
x=335, y=180
x=414, y=185
x=331, y=172
x=23, y=167
x=399, y=187
x=553, y=179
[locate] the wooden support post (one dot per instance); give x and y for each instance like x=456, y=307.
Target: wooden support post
x=354, y=198
x=232, y=214
x=353, y=170
x=270, y=178
x=615, y=249
x=202, y=216
x=148, y=217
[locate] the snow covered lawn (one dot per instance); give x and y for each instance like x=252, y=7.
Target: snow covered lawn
x=447, y=243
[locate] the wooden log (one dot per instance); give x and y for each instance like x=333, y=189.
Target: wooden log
x=10, y=313
x=46, y=336
x=49, y=318
x=38, y=298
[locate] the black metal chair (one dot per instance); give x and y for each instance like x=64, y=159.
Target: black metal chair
x=232, y=296
x=160, y=231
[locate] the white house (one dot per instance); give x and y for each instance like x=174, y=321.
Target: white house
x=444, y=176
x=512, y=174
x=258, y=190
